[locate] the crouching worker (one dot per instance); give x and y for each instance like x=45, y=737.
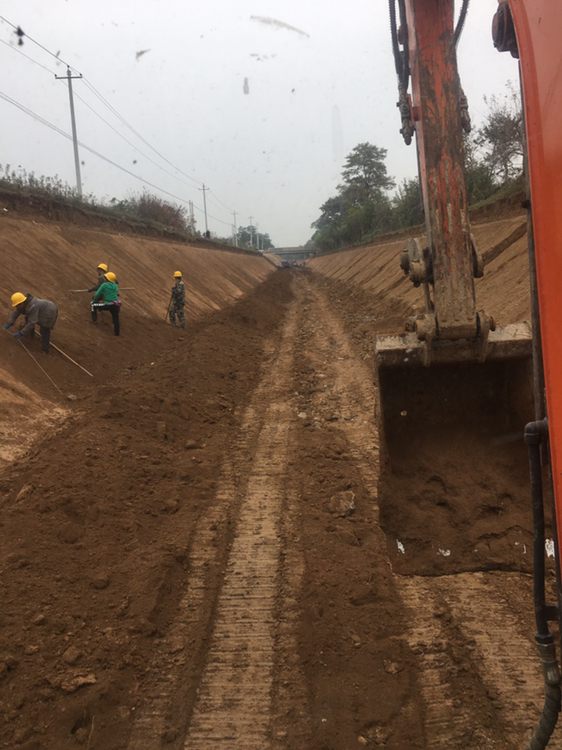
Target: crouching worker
x=37, y=311
x=109, y=293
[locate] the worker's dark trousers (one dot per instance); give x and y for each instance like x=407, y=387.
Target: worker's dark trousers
x=45, y=338
x=114, y=310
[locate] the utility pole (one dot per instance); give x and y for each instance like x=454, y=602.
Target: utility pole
x=251, y=231
x=69, y=78
x=191, y=218
x=205, y=207
x=235, y=230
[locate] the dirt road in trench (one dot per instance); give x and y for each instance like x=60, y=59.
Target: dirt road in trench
x=229, y=583
x=313, y=641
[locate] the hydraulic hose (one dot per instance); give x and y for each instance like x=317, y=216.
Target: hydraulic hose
x=534, y=434
x=460, y=22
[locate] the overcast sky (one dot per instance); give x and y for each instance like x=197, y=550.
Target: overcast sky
x=259, y=100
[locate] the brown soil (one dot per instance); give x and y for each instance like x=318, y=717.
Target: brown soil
x=193, y=550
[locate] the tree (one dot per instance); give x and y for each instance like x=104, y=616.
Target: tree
x=361, y=207
x=265, y=242
x=328, y=226
x=407, y=204
x=148, y=207
x=364, y=174
x=480, y=182
x=245, y=235
x=249, y=236
x=501, y=138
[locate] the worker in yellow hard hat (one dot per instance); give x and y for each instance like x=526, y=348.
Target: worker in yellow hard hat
x=102, y=269
x=37, y=311
x=177, y=300
x=107, y=298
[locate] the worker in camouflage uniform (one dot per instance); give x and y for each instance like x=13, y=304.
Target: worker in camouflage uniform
x=177, y=302
x=102, y=269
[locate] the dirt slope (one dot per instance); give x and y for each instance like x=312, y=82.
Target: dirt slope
x=48, y=260
x=195, y=556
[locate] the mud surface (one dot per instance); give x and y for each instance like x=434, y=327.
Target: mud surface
x=194, y=555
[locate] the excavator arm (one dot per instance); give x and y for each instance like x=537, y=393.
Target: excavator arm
x=437, y=114
x=454, y=383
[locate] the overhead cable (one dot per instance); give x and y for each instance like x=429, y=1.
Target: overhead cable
x=101, y=156
x=37, y=43
x=11, y=46
x=113, y=110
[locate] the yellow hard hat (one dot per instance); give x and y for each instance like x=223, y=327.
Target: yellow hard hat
x=18, y=298
x=103, y=266
x=177, y=274
x=110, y=276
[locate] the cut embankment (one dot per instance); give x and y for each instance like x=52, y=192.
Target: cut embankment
x=49, y=260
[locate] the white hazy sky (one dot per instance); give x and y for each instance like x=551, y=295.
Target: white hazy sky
x=262, y=113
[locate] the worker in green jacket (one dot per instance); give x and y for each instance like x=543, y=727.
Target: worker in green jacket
x=109, y=293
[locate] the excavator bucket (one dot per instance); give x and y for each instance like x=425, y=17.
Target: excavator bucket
x=453, y=490
x=454, y=394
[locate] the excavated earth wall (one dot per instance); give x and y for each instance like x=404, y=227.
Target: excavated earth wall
x=50, y=259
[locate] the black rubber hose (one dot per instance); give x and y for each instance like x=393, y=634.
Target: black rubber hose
x=394, y=36
x=406, y=45
x=551, y=708
x=460, y=22
x=535, y=432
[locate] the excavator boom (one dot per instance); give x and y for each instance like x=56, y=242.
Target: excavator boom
x=456, y=392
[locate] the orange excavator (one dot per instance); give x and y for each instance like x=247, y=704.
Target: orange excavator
x=454, y=379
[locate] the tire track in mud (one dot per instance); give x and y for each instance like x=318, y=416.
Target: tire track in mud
x=479, y=676
x=351, y=384
x=167, y=675
x=493, y=645
x=233, y=699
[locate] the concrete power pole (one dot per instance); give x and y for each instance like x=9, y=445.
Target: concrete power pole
x=251, y=230
x=69, y=78
x=191, y=218
x=205, y=207
x=235, y=230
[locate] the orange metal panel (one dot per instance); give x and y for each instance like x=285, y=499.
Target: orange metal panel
x=538, y=27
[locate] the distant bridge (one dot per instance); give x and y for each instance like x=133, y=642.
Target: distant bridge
x=291, y=253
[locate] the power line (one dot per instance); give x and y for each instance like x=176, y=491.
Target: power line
x=104, y=101
x=22, y=34
x=114, y=111
x=77, y=96
x=101, y=156
x=219, y=200
x=122, y=119
x=15, y=49
x=136, y=148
